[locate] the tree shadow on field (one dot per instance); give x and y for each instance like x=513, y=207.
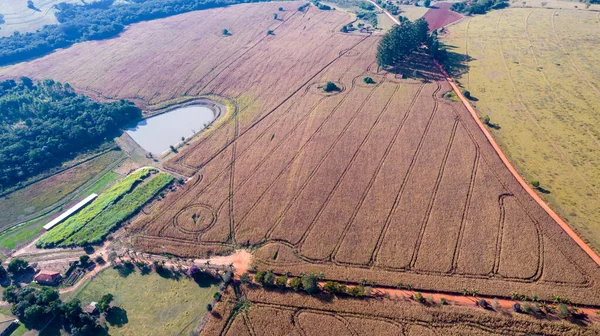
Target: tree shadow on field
x=417, y=65
x=117, y=316
x=205, y=280
x=456, y=64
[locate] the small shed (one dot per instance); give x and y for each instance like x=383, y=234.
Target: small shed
x=47, y=277
x=91, y=308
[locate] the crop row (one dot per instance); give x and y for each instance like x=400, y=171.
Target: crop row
x=97, y=229
x=87, y=214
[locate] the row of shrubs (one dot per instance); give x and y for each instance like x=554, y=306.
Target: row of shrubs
x=309, y=283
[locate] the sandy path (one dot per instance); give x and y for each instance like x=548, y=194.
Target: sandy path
x=507, y=163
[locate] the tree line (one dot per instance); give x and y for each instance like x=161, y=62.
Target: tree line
x=45, y=123
x=402, y=40
x=94, y=21
x=479, y=6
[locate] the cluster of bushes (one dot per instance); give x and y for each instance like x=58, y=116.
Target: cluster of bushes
x=71, y=225
x=308, y=283
x=303, y=7
x=45, y=123
x=478, y=6
x=37, y=307
x=95, y=21
x=321, y=6
x=390, y=7
x=366, y=5
x=369, y=17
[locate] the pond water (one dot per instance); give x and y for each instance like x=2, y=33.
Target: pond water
x=156, y=134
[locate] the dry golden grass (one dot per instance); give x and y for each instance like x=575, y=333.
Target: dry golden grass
x=535, y=72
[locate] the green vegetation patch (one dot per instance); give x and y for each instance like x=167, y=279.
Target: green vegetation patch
x=20, y=205
x=154, y=305
x=74, y=223
x=99, y=227
x=46, y=123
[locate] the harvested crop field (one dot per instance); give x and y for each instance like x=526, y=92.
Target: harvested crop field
x=276, y=313
x=387, y=181
x=535, y=72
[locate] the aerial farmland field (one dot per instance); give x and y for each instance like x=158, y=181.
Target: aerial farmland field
x=323, y=163
x=272, y=313
x=535, y=73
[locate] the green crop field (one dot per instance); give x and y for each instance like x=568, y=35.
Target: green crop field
x=74, y=223
x=154, y=305
x=536, y=73
x=98, y=228
x=26, y=202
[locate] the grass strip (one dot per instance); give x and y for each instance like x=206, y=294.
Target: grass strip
x=74, y=223
x=98, y=228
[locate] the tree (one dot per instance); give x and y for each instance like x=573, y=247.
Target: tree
x=401, y=41
x=486, y=119
x=309, y=283
x=427, y=3
x=104, y=303
x=245, y=278
x=10, y=294
x=280, y=9
x=83, y=260
x=260, y=276
x=368, y=80
x=209, y=307
x=330, y=87
x=357, y=291
x=275, y=16
x=269, y=279
x=281, y=281
x=270, y=32
x=34, y=315
x=563, y=310
x=296, y=284
x=225, y=32
x=18, y=266
x=3, y=273
x=535, y=184
x=334, y=287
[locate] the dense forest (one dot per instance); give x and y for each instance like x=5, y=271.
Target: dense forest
x=402, y=40
x=95, y=21
x=478, y=6
x=42, y=124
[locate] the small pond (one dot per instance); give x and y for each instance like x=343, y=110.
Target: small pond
x=156, y=134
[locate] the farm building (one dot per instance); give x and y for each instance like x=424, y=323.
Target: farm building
x=7, y=324
x=69, y=212
x=47, y=277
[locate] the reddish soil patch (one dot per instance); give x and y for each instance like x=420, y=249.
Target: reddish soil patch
x=440, y=15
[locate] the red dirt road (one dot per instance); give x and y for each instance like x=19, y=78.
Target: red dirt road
x=506, y=162
x=440, y=15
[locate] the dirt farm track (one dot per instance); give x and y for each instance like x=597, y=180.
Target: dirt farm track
x=387, y=182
